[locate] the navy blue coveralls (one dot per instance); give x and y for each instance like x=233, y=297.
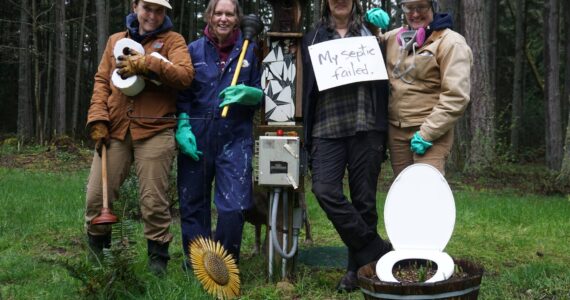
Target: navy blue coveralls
x=226, y=144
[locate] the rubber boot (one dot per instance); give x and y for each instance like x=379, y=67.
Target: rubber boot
x=157, y=257
x=96, y=245
x=348, y=283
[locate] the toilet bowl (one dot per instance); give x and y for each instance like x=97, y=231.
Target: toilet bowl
x=419, y=215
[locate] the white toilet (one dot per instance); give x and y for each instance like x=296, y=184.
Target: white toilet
x=419, y=215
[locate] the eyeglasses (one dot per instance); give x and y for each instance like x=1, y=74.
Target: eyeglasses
x=409, y=9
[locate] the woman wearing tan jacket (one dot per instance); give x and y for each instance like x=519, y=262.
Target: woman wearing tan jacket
x=429, y=67
x=132, y=128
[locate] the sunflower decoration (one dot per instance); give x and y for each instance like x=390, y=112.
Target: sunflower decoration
x=215, y=268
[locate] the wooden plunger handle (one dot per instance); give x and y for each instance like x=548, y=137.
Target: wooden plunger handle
x=236, y=74
x=104, y=175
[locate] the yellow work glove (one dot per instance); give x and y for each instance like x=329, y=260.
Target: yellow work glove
x=131, y=63
x=99, y=133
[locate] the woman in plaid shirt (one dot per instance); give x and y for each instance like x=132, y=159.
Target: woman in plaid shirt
x=345, y=128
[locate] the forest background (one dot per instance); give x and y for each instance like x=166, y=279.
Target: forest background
x=520, y=82
x=514, y=133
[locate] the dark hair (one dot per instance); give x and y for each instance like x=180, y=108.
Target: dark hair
x=212, y=5
x=354, y=21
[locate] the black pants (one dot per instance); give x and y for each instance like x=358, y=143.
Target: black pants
x=356, y=220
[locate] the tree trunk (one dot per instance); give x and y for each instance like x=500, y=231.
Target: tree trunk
x=482, y=114
x=192, y=23
x=566, y=87
x=47, y=96
x=127, y=6
x=446, y=6
x=564, y=176
x=552, y=86
x=397, y=17
x=462, y=136
x=565, y=169
x=492, y=26
x=181, y=20
x=453, y=8
x=387, y=7
x=25, y=114
x=59, y=116
x=102, y=26
x=35, y=49
x=517, y=101
x=78, y=82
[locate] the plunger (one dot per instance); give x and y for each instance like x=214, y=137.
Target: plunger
x=105, y=217
x=251, y=25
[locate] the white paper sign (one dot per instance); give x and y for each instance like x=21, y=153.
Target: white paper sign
x=343, y=61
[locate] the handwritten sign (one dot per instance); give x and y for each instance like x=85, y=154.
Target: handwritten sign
x=343, y=61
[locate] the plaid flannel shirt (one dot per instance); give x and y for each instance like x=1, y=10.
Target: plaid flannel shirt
x=343, y=111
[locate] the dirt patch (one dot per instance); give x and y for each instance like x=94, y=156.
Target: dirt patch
x=63, y=154
x=414, y=271
x=417, y=271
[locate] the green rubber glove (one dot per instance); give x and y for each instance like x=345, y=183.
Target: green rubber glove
x=186, y=139
x=377, y=17
x=418, y=145
x=241, y=94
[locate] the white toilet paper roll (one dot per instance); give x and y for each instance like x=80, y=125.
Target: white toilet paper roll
x=159, y=56
x=125, y=42
x=130, y=86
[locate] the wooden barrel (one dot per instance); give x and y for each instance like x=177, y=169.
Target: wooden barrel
x=465, y=288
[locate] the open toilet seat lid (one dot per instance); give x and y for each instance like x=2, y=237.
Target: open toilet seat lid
x=419, y=212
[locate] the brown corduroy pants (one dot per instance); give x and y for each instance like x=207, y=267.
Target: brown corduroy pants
x=401, y=156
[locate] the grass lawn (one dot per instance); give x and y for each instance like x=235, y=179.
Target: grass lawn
x=523, y=241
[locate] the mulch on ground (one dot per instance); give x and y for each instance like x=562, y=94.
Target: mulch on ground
x=63, y=154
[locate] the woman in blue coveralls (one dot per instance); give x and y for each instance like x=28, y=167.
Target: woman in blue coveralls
x=213, y=147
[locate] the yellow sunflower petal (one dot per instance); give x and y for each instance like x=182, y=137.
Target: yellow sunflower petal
x=215, y=268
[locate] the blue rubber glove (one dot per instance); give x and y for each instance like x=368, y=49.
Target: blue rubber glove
x=241, y=94
x=377, y=17
x=418, y=145
x=186, y=139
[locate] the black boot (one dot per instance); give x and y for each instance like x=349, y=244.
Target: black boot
x=348, y=283
x=157, y=257
x=96, y=245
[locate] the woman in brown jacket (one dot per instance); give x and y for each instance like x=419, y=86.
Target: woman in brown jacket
x=429, y=66
x=134, y=128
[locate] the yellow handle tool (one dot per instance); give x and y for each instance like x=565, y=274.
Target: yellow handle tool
x=251, y=25
x=236, y=74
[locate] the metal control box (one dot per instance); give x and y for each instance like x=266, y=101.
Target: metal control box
x=278, y=163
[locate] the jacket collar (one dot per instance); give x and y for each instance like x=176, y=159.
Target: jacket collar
x=225, y=49
x=133, y=28
x=229, y=43
x=441, y=21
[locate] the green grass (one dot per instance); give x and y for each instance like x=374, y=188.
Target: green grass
x=523, y=241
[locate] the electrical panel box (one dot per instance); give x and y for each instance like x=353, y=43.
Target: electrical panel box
x=278, y=163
